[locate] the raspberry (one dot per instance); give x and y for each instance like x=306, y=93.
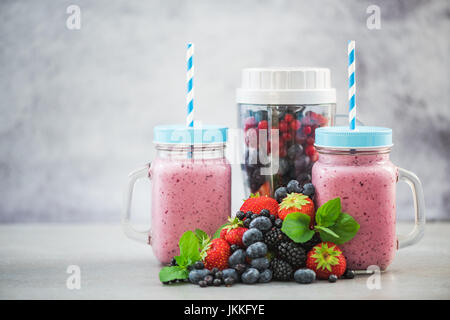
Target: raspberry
x=281, y=270
x=292, y=253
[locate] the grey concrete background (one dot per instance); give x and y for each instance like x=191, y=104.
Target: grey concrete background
x=78, y=106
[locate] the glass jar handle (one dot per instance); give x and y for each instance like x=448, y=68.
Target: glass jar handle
x=419, y=209
x=128, y=229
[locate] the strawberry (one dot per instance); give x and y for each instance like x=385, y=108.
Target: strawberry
x=234, y=236
x=233, y=231
x=256, y=203
x=216, y=254
x=326, y=259
x=296, y=202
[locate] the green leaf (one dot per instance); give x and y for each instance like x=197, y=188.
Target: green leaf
x=201, y=235
x=346, y=227
x=173, y=273
x=217, y=233
x=182, y=261
x=328, y=213
x=189, y=247
x=296, y=227
x=329, y=231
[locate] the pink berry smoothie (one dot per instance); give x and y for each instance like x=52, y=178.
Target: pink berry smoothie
x=366, y=185
x=187, y=194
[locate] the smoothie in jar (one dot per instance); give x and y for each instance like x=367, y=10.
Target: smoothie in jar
x=187, y=194
x=366, y=184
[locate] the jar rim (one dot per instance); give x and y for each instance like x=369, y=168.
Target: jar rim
x=189, y=147
x=357, y=150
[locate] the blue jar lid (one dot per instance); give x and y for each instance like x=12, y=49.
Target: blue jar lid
x=361, y=137
x=180, y=134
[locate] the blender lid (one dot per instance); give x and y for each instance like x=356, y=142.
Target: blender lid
x=181, y=134
x=361, y=137
x=286, y=86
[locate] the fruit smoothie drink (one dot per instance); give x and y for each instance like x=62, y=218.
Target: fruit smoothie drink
x=354, y=165
x=187, y=194
x=366, y=185
x=191, y=186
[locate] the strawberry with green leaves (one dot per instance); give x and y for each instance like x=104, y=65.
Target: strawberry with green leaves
x=326, y=259
x=233, y=231
x=296, y=202
x=215, y=254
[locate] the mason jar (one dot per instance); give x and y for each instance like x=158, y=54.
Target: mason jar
x=190, y=186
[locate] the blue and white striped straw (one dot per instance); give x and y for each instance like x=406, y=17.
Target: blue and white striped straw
x=190, y=85
x=351, y=85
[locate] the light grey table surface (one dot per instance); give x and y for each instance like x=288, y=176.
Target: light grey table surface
x=34, y=260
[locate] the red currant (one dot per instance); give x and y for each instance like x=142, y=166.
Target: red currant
x=310, y=150
x=307, y=130
x=288, y=117
x=263, y=124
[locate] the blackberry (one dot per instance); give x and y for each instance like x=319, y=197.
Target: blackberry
x=173, y=262
x=281, y=270
x=274, y=237
x=247, y=222
x=315, y=240
x=293, y=253
x=278, y=223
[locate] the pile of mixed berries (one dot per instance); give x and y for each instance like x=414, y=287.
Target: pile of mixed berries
x=252, y=248
x=296, y=151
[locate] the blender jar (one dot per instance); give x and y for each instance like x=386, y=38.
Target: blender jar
x=279, y=111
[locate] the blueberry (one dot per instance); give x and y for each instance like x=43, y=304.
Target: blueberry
x=209, y=279
x=332, y=278
x=309, y=190
x=229, y=281
x=240, y=268
x=236, y=258
x=260, y=263
x=278, y=223
x=217, y=282
x=173, y=262
x=230, y=273
x=304, y=276
x=280, y=194
x=294, y=186
x=214, y=271
x=265, y=276
x=283, y=166
x=240, y=215
x=254, y=216
x=349, y=274
x=199, y=265
x=294, y=151
x=250, y=276
x=265, y=213
x=251, y=236
x=272, y=218
x=202, y=283
x=260, y=116
x=257, y=250
x=304, y=178
x=197, y=275
x=247, y=223
x=233, y=248
x=261, y=223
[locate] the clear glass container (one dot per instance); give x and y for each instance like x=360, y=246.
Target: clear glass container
x=277, y=143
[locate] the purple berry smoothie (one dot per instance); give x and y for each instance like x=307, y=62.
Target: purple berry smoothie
x=187, y=194
x=366, y=184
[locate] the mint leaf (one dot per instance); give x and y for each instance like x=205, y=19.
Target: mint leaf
x=217, y=233
x=326, y=230
x=182, y=261
x=201, y=235
x=346, y=227
x=328, y=213
x=189, y=247
x=173, y=273
x=296, y=227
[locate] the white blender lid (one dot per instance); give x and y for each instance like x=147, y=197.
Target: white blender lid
x=286, y=86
